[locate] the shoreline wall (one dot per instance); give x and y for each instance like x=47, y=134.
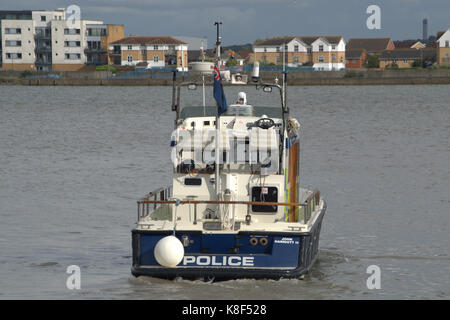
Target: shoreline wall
x=295, y=78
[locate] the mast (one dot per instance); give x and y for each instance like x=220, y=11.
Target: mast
x=217, y=153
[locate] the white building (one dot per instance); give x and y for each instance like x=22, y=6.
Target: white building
x=46, y=40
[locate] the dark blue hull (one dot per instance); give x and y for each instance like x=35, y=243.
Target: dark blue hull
x=221, y=256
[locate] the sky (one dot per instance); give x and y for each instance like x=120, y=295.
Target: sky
x=244, y=21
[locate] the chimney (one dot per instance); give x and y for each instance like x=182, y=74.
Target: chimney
x=425, y=29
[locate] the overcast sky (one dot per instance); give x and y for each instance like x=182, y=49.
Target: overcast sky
x=247, y=20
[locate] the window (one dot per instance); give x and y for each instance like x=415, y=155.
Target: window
x=265, y=49
x=43, y=18
x=333, y=57
x=13, y=56
x=155, y=47
x=320, y=58
x=130, y=47
x=130, y=59
x=72, y=56
x=321, y=47
x=405, y=61
x=333, y=47
x=192, y=181
x=264, y=194
x=155, y=58
x=278, y=49
x=71, y=31
x=72, y=43
x=296, y=48
x=143, y=51
x=13, y=43
x=13, y=31
x=447, y=43
x=278, y=59
x=309, y=50
x=295, y=59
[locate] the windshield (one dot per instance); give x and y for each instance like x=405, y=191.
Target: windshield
x=258, y=103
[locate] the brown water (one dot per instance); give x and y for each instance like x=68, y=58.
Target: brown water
x=74, y=160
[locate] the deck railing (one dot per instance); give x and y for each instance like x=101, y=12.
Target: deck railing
x=162, y=196
x=153, y=199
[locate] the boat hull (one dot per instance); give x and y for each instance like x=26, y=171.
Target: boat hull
x=221, y=256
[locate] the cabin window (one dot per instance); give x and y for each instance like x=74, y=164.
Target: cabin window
x=264, y=194
x=192, y=181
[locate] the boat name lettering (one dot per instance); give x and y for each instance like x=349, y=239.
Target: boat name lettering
x=286, y=241
x=218, y=261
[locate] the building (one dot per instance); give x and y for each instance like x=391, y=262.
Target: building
x=373, y=46
x=405, y=58
x=355, y=58
x=230, y=55
x=45, y=40
x=322, y=52
x=409, y=44
x=443, y=48
x=156, y=52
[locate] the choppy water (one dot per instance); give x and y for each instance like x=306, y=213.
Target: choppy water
x=74, y=160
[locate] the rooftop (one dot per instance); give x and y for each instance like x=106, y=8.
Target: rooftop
x=370, y=44
x=148, y=40
x=308, y=40
x=408, y=54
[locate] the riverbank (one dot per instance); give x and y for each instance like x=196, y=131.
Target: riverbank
x=295, y=78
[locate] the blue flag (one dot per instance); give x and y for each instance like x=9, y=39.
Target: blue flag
x=219, y=95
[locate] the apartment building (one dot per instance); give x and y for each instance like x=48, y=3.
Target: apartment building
x=321, y=52
x=443, y=48
x=45, y=40
x=150, y=52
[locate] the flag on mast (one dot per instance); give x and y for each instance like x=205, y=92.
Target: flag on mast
x=219, y=95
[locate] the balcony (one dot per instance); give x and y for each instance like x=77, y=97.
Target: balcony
x=43, y=61
x=43, y=35
x=95, y=50
x=43, y=49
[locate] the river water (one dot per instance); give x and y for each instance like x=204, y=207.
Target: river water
x=74, y=160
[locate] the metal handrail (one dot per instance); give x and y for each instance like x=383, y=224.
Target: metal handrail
x=143, y=208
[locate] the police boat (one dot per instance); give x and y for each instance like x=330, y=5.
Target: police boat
x=236, y=213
